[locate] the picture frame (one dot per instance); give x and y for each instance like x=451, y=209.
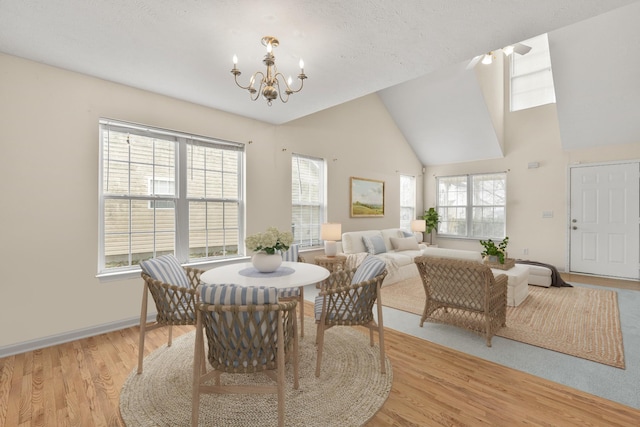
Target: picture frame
x=366, y=198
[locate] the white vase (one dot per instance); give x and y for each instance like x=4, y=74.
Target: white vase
x=266, y=263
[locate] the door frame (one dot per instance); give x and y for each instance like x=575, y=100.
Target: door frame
x=578, y=164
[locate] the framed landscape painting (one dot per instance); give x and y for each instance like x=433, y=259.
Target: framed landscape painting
x=367, y=197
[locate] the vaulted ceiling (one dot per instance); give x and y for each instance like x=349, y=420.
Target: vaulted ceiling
x=407, y=51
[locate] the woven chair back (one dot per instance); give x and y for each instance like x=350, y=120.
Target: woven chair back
x=174, y=305
x=350, y=304
x=463, y=293
x=456, y=282
x=243, y=338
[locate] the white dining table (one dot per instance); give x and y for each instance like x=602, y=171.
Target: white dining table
x=288, y=275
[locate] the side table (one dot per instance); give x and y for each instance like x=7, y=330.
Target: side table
x=331, y=263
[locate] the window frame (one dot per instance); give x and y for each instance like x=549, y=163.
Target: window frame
x=413, y=197
x=539, y=73
x=469, y=207
x=322, y=205
x=180, y=142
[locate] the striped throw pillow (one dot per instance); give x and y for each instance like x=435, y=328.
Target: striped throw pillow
x=167, y=269
x=368, y=269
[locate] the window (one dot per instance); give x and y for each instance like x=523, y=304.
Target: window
x=307, y=199
x=531, y=77
x=164, y=187
x=407, y=201
x=164, y=192
x=473, y=205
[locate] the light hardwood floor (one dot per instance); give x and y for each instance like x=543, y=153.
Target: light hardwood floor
x=78, y=384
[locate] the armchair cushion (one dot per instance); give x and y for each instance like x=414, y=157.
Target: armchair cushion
x=368, y=269
x=167, y=269
x=374, y=244
x=237, y=295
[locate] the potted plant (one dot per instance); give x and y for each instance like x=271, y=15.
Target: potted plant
x=493, y=252
x=268, y=247
x=432, y=219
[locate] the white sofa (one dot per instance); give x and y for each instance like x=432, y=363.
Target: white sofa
x=400, y=264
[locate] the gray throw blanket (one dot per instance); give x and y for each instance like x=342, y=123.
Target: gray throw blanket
x=556, y=280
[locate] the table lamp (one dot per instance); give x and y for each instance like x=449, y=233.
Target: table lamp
x=330, y=233
x=419, y=225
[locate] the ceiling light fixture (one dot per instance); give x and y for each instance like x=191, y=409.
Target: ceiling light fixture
x=269, y=83
x=487, y=58
x=508, y=50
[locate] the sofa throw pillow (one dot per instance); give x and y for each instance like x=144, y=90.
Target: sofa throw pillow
x=167, y=269
x=374, y=244
x=368, y=269
x=406, y=233
x=404, y=243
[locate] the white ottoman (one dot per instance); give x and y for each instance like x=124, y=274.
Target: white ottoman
x=517, y=283
x=539, y=276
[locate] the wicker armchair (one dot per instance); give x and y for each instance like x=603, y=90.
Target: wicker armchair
x=464, y=294
x=173, y=289
x=341, y=303
x=247, y=331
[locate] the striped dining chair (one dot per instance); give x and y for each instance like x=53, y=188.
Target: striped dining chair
x=247, y=330
x=296, y=293
x=173, y=289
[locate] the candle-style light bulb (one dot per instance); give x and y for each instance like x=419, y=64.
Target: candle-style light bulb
x=301, y=64
x=235, y=60
x=289, y=81
x=269, y=48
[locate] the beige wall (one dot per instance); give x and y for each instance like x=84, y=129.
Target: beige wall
x=49, y=184
x=532, y=136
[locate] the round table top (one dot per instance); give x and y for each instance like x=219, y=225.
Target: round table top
x=244, y=274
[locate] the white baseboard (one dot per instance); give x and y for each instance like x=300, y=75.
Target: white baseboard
x=39, y=343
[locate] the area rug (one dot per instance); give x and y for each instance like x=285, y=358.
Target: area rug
x=579, y=321
x=349, y=392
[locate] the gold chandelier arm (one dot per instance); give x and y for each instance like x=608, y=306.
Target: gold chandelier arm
x=288, y=89
x=252, y=81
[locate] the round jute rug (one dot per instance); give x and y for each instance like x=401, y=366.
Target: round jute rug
x=348, y=393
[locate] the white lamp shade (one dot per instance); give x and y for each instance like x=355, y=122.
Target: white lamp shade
x=419, y=225
x=331, y=232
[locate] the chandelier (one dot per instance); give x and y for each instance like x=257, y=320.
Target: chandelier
x=269, y=84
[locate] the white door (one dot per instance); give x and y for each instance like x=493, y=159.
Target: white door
x=604, y=227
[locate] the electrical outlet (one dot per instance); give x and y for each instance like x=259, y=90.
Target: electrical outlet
x=525, y=251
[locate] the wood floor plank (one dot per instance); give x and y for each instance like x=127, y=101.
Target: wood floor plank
x=78, y=384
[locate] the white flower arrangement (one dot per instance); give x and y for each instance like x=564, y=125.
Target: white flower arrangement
x=270, y=241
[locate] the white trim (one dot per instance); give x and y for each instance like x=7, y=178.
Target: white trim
x=64, y=337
